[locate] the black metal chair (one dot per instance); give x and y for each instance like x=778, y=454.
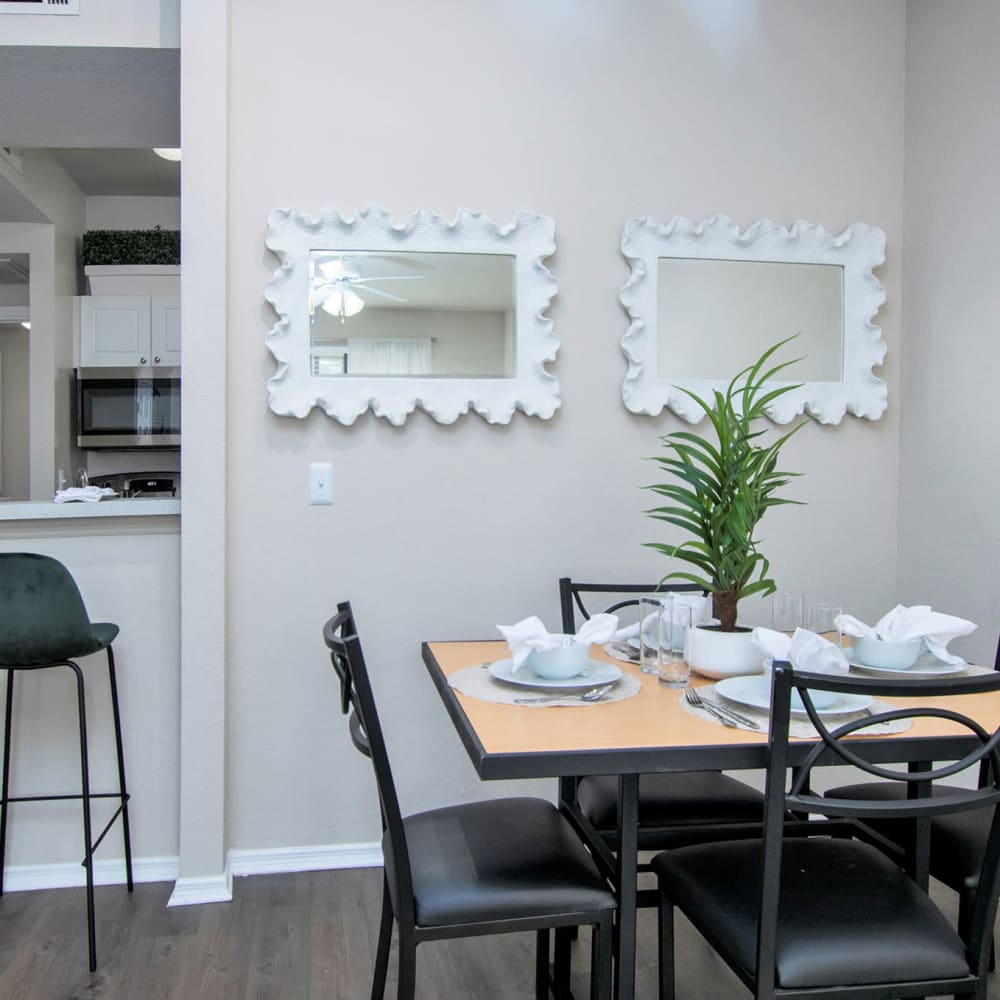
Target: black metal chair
x=44, y=624
x=674, y=809
x=957, y=841
x=811, y=917
x=488, y=867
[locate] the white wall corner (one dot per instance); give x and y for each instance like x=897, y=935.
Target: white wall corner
x=202, y=889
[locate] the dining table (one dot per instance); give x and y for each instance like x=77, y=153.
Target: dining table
x=652, y=731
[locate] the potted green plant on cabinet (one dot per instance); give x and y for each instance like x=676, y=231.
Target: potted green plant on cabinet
x=720, y=486
x=132, y=261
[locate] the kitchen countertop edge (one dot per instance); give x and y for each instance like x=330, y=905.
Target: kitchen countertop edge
x=11, y=510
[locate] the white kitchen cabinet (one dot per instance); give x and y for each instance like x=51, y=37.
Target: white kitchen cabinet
x=124, y=331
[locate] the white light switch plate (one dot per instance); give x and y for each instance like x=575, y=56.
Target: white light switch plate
x=320, y=483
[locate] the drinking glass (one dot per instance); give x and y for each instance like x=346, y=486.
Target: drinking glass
x=787, y=612
x=675, y=671
x=650, y=623
x=821, y=619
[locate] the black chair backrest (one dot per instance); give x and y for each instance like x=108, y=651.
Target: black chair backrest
x=356, y=698
x=973, y=747
x=570, y=595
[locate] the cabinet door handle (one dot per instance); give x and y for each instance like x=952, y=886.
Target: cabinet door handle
x=142, y=361
x=157, y=359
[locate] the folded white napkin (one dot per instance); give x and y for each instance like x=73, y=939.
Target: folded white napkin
x=903, y=624
x=700, y=606
x=89, y=494
x=805, y=650
x=530, y=633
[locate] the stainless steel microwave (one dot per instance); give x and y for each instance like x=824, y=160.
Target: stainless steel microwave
x=126, y=408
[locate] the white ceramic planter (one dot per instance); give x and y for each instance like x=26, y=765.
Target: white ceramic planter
x=723, y=654
x=133, y=279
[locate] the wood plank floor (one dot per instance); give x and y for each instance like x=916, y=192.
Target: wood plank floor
x=284, y=937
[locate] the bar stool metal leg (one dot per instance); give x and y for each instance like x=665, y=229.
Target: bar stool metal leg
x=88, y=860
x=121, y=769
x=5, y=786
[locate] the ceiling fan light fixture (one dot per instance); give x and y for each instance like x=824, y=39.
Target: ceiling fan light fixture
x=342, y=303
x=173, y=155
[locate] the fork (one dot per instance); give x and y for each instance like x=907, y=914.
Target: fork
x=725, y=715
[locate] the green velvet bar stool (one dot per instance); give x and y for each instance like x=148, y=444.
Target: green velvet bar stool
x=43, y=624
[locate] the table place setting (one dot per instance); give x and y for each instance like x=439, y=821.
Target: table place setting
x=549, y=669
x=743, y=714
x=743, y=702
x=906, y=642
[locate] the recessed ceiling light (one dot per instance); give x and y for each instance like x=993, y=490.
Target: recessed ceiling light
x=174, y=155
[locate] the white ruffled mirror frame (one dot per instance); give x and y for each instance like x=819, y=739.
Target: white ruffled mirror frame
x=847, y=385
x=302, y=243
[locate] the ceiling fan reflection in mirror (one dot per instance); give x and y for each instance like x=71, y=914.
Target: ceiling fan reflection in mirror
x=339, y=286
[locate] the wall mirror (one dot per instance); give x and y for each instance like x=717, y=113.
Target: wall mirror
x=445, y=315
x=705, y=299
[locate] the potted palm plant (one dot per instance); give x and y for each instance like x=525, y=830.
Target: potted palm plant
x=720, y=487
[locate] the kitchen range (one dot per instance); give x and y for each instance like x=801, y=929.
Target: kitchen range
x=139, y=484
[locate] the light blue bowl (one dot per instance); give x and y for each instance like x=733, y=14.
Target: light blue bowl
x=886, y=655
x=559, y=664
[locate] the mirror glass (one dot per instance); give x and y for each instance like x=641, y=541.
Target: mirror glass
x=447, y=315
x=711, y=311
x=388, y=315
x=706, y=299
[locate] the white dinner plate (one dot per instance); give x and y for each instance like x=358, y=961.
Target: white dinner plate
x=755, y=692
x=926, y=666
x=596, y=672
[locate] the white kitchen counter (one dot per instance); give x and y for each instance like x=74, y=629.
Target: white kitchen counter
x=47, y=510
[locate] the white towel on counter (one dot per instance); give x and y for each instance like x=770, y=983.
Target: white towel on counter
x=530, y=634
x=905, y=624
x=805, y=650
x=88, y=494
x=700, y=605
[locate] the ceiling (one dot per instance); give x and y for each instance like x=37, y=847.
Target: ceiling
x=116, y=171
x=14, y=268
x=99, y=111
x=82, y=98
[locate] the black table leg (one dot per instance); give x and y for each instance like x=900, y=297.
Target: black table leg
x=628, y=860
x=919, y=851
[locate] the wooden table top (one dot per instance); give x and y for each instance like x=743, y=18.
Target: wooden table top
x=625, y=732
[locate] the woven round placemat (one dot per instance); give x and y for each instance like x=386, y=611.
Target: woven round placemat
x=798, y=727
x=477, y=682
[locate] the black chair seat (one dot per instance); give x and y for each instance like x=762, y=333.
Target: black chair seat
x=957, y=840
x=847, y=915
x=673, y=800
x=499, y=859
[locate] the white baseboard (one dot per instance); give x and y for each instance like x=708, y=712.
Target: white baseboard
x=321, y=857
x=22, y=878
x=204, y=889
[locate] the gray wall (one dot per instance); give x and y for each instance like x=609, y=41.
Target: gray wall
x=592, y=113
x=949, y=540
x=16, y=411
